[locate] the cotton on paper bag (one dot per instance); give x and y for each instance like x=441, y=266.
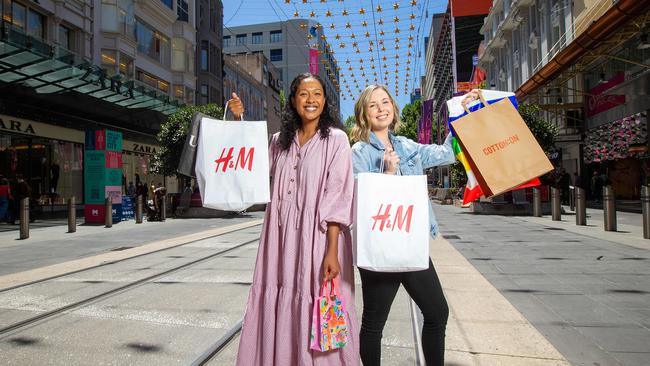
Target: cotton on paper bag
x=232, y=164
x=391, y=227
x=499, y=147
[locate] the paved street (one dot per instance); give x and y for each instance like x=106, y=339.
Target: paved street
x=521, y=290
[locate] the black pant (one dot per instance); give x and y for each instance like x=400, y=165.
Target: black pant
x=379, y=289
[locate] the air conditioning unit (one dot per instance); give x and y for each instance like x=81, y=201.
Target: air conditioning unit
x=533, y=40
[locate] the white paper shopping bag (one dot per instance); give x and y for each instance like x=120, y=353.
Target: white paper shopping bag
x=391, y=227
x=232, y=164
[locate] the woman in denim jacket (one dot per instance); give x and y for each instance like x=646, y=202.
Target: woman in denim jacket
x=377, y=116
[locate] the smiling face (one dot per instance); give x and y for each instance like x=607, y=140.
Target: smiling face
x=309, y=100
x=379, y=110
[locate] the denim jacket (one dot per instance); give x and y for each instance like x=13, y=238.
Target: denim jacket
x=414, y=158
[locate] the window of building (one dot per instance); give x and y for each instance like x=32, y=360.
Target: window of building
x=204, y=56
x=109, y=62
x=152, y=43
x=179, y=92
x=126, y=66
x=276, y=55
x=117, y=16
x=213, y=95
x=226, y=41
x=169, y=3
x=276, y=36
x=189, y=95
x=66, y=38
x=256, y=38
x=183, y=10
x=204, y=94
x=215, y=18
x=18, y=13
x=35, y=24
x=241, y=40
x=153, y=81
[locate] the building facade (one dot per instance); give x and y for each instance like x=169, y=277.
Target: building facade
x=70, y=66
x=257, y=83
x=209, y=60
x=583, y=63
x=291, y=46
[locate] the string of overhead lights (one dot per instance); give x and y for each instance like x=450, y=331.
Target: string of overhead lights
x=369, y=42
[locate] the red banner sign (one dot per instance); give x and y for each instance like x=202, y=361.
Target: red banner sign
x=598, y=102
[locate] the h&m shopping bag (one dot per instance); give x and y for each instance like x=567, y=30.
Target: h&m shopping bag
x=329, y=329
x=188, y=156
x=391, y=222
x=232, y=163
x=499, y=147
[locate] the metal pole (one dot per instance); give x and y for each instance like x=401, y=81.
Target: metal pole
x=108, y=217
x=138, y=209
x=572, y=198
x=609, y=208
x=163, y=208
x=537, y=202
x=24, y=218
x=72, y=215
x=555, y=204
x=645, y=208
x=581, y=206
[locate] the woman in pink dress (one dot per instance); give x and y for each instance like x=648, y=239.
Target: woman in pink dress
x=305, y=238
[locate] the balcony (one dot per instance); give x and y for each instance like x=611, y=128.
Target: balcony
x=512, y=20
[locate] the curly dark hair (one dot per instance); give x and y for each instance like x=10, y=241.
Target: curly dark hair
x=291, y=120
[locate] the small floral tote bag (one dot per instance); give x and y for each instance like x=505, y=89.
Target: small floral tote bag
x=329, y=329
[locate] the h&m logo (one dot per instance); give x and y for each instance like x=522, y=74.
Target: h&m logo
x=401, y=220
x=17, y=126
x=243, y=158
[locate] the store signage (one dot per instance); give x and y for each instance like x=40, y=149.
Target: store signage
x=598, y=102
x=148, y=149
x=17, y=126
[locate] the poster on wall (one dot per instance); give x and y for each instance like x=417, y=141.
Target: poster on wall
x=102, y=174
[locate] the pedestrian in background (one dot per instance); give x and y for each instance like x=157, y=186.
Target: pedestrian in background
x=5, y=197
x=305, y=238
x=377, y=117
x=130, y=190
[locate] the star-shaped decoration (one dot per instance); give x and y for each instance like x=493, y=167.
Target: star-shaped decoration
x=328, y=13
x=379, y=9
x=362, y=11
x=396, y=6
x=312, y=14
x=344, y=13
x=296, y=14
x=348, y=25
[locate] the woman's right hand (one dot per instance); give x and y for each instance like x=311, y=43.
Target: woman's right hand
x=236, y=106
x=391, y=161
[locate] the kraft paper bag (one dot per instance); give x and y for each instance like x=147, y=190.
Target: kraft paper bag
x=232, y=164
x=391, y=222
x=500, y=148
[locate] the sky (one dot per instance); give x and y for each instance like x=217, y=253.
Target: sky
x=370, y=39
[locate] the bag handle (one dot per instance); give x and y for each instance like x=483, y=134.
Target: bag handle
x=480, y=97
x=334, y=288
x=225, y=110
x=381, y=166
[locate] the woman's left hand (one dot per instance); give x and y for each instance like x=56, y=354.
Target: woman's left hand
x=331, y=267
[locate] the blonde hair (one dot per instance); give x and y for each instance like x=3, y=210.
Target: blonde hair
x=362, y=128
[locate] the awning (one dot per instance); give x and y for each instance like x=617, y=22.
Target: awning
x=51, y=69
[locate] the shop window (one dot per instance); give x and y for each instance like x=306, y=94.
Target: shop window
x=276, y=36
x=241, y=40
x=183, y=11
x=276, y=55
x=256, y=38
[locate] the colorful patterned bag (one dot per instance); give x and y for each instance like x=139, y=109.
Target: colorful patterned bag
x=329, y=329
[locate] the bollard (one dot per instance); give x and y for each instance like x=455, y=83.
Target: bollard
x=645, y=209
x=609, y=208
x=556, y=208
x=72, y=215
x=108, y=218
x=537, y=202
x=138, y=210
x=24, y=218
x=163, y=208
x=581, y=206
x=572, y=198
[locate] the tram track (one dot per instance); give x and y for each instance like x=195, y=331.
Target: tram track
x=129, y=286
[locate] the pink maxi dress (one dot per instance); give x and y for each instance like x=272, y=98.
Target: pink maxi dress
x=311, y=186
